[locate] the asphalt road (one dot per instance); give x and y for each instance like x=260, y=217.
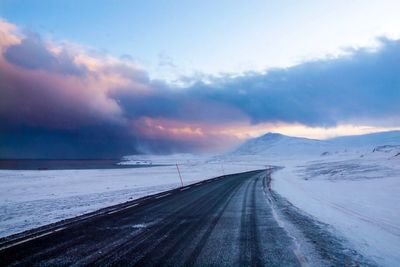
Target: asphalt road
x=222, y=222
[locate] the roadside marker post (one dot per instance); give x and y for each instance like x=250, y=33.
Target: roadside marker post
x=179, y=172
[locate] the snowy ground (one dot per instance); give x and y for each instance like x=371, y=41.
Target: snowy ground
x=29, y=199
x=358, y=196
x=355, y=189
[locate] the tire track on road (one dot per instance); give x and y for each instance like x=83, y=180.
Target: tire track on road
x=187, y=234
x=160, y=229
x=250, y=254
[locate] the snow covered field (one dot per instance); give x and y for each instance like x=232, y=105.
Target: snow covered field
x=358, y=197
x=351, y=184
x=29, y=199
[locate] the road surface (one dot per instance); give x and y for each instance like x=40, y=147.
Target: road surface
x=222, y=222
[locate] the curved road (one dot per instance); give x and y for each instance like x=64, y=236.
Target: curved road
x=220, y=222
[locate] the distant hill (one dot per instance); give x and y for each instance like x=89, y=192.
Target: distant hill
x=370, y=140
x=279, y=144
x=274, y=143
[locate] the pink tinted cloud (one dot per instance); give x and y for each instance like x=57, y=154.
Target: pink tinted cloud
x=39, y=96
x=64, y=89
x=198, y=135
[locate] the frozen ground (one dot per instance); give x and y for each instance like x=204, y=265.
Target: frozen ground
x=30, y=199
x=351, y=184
x=359, y=197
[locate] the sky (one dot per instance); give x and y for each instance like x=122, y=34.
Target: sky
x=108, y=78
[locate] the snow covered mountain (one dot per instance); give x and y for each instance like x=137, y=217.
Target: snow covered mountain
x=274, y=143
x=279, y=144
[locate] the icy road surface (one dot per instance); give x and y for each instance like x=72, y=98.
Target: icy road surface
x=231, y=221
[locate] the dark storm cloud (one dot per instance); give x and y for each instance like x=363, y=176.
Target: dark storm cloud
x=52, y=106
x=99, y=141
x=363, y=85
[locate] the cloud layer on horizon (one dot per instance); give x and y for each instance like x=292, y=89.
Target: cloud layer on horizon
x=61, y=100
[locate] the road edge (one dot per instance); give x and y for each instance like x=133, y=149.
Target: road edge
x=27, y=235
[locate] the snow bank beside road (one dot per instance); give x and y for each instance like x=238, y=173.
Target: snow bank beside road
x=359, y=197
